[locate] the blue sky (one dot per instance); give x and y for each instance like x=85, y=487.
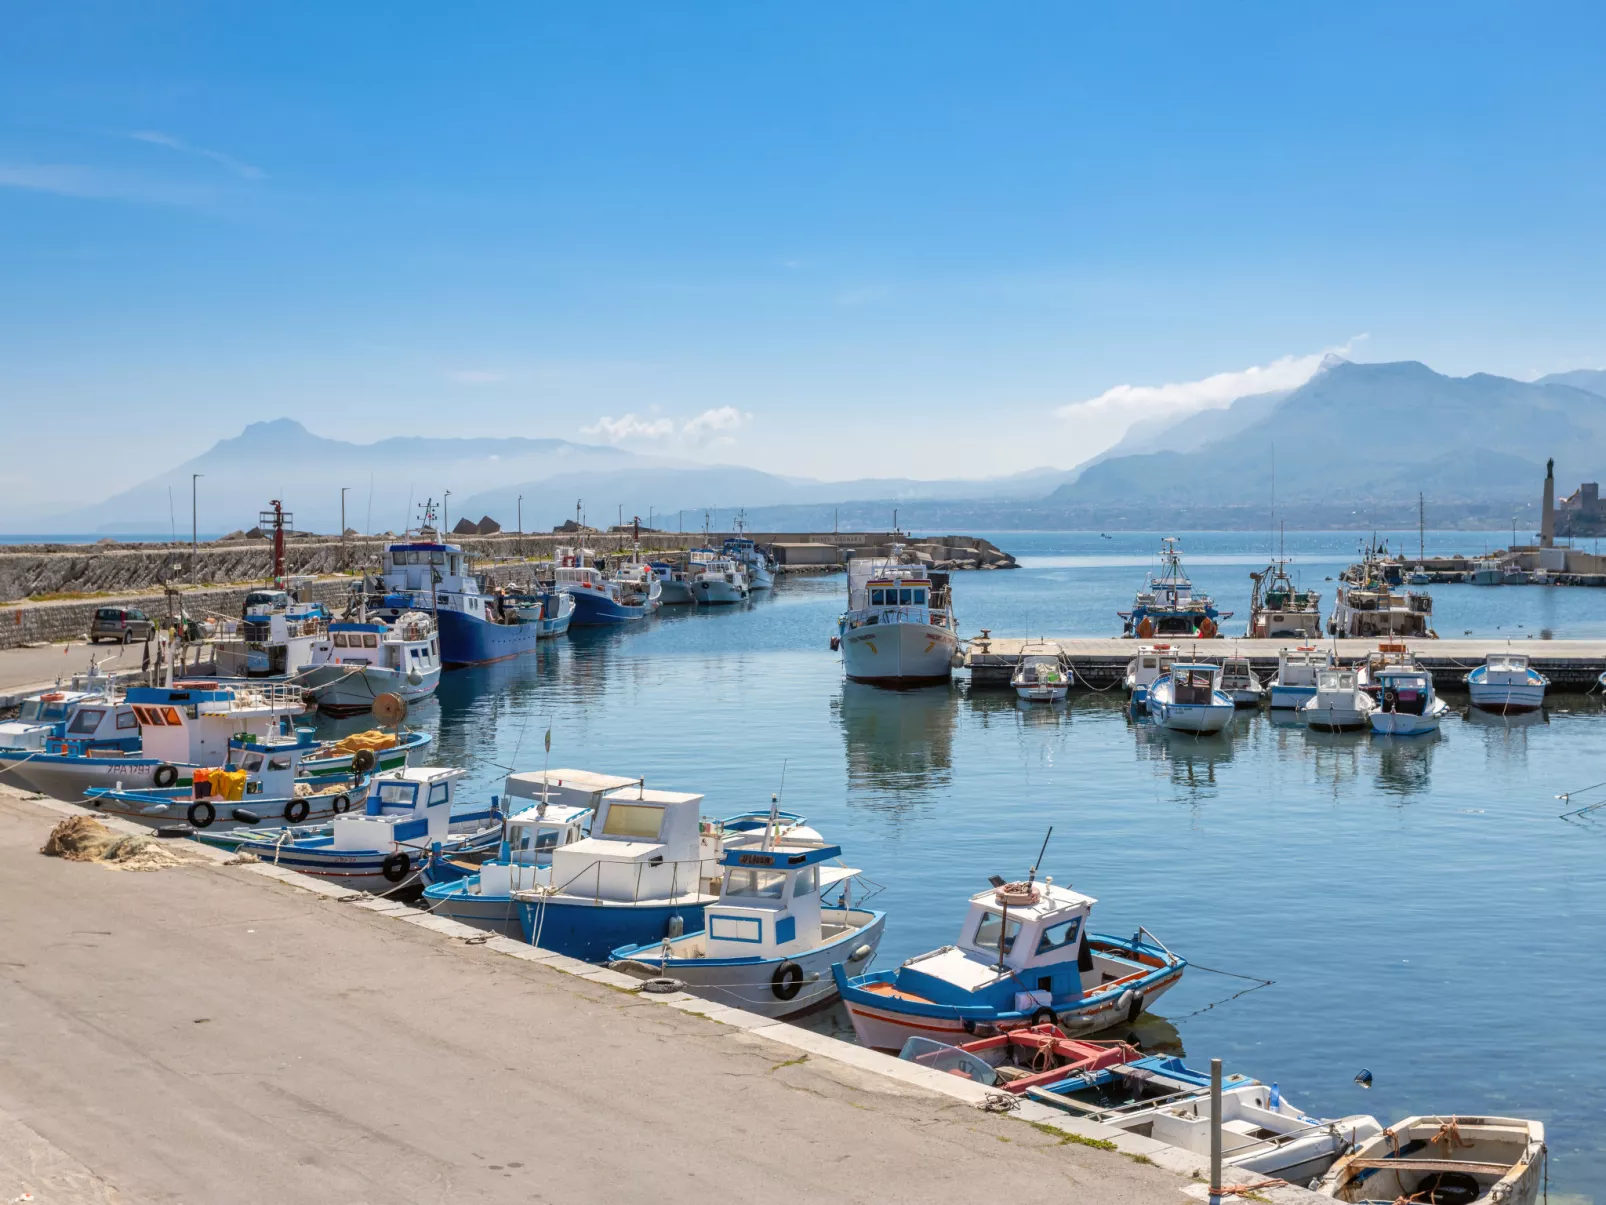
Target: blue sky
x=829, y=240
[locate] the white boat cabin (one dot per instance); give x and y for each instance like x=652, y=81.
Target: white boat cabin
x=71, y=721
x=769, y=902
x=576, y=788
x=411, y=806
x=1298, y=667
x=194, y=723
x=1152, y=661
x=1019, y=949
x=410, y=643
x=1505, y=669
x=644, y=845
x=1195, y=684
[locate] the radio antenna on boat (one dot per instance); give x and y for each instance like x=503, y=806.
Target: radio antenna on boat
x=1031, y=875
x=774, y=824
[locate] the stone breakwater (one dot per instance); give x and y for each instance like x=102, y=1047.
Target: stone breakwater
x=136, y=574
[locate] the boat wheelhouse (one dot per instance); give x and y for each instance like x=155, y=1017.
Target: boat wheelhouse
x=769, y=942
x=1023, y=957
x=1168, y=606
x=1152, y=661
x=1279, y=609
x=1340, y=702
x=899, y=628
x=271, y=641
x=1297, y=670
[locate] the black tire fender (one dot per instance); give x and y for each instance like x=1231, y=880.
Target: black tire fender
x=787, y=981
x=396, y=867
x=1135, y=1009
x=341, y=804
x=296, y=811
x=1044, y=1016
x=201, y=814
x=165, y=776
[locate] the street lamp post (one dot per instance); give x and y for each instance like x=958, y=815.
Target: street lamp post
x=195, y=527
x=446, y=512
x=345, y=561
x=521, y=514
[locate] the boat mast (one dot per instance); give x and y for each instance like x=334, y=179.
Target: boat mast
x=1421, y=535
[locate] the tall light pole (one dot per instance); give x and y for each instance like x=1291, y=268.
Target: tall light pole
x=521, y=514
x=446, y=512
x=195, y=527
x=345, y=561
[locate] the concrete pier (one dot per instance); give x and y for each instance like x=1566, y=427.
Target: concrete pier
x=217, y=1032
x=1100, y=662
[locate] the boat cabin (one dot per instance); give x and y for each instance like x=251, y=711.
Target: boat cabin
x=1404, y=689
x=407, y=644
x=1237, y=674
x=1299, y=666
x=1152, y=661
x=1336, y=681
x=411, y=805
x=420, y=567
x=769, y=901
x=643, y=845
x=72, y=721
x=1195, y=684
x=194, y=722
x=1020, y=949
x=573, y=788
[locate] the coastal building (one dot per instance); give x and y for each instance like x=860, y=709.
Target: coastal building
x=1578, y=514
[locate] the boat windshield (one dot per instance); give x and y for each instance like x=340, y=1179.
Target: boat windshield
x=755, y=884
x=1332, y=680
x=988, y=930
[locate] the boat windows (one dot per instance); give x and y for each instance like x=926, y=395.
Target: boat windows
x=340, y=640
x=988, y=930
x=396, y=792
x=633, y=820
x=757, y=884
x=878, y=598
x=1062, y=934
x=278, y=763
x=437, y=793
x=253, y=763
x=906, y=596
x=86, y=721
x=808, y=883
x=126, y=720
x=370, y=640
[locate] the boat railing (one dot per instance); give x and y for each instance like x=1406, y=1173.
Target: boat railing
x=678, y=875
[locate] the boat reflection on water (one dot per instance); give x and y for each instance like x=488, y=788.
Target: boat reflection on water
x=1405, y=763
x=1336, y=757
x=898, y=741
x=1192, y=757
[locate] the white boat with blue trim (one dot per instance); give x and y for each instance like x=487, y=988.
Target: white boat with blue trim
x=768, y=944
x=356, y=661
x=1024, y=957
x=756, y=565
x=1189, y=698
x=1507, y=685
x=1297, y=671
x=718, y=581
x=1340, y=703
x=1407, y=703
x=408, y=815
x=899, y=628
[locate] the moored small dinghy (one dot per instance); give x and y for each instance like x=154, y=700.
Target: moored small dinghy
x=1506, y=684
x=1190, y=699
x=1040, y=675
x=1021, y=1059
x=1023, y=957
x=1446, y=1161
x=769, y=943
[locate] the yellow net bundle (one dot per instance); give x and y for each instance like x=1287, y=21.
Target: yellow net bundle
x=374, y=740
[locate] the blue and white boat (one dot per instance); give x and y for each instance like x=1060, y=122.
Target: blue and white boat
x=674, y=582
x=768, y=944
x=87, y=710
x=407, y=816
x=758, y=567
x=1507, y=685
x=639, y=582
x=1152, y=661
x=643, y=874
x=556, y=808
x=1189, y=698
x=719, y=581
x=180, y=727
x=1167, y=605
x=1297, y=672
x=261, y=781
x=1023, y=957
x=599, y=600
x=552, y=612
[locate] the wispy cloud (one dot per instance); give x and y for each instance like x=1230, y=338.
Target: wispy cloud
x=711, y=428
x=239, y=168
x=77, y=180
x=1105, y=418
x=475, y=376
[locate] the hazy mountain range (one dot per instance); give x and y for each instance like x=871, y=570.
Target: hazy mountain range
x=1354, y=445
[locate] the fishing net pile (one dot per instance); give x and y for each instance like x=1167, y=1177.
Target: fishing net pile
x=85, y=839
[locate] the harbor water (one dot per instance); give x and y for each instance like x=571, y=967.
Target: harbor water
x=1417, y=905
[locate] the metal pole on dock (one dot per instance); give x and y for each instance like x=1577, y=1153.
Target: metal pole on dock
x=345, y=561
x=194, y=527
x=1215, y=1132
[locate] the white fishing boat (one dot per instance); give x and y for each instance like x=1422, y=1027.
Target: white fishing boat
x=1040, y=675
x=1190, y=699
x=899, y=628
x=1339, y=704
x=1295, y=683
x=1407, y=704
x=1450, y=1160
x=1506, y=684
x=1487, y=572
x=1152, y=661
x=768, y=944
x=357, y=661
x=719, y=582
x=757, y=566
x=639, y=583
x=1277, y=608
x=273, y=640
x=1239, y=683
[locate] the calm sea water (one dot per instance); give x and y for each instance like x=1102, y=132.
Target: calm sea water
x=1419, y=907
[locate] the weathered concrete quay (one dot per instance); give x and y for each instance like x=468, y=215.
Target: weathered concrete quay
x=224, y=1032
x=1099, y=663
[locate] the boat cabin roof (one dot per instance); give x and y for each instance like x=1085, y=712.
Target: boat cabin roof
x=529, y=784
x=424, y=773
x=552, y=813
x=1507, y=661
x=782, y=857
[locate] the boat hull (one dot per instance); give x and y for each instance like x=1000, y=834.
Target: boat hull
x=348, y=690
x=1506, y=699
x=470, y=640
x=1042, y=694
x=898, y=654
x=593, y=610
x=1186, y=717
x=362, y=869
x=676, y=594
x=1404, y=723
x=590, y=931
x=549, y=626
x=1291, y=698
x=496, y=914
x=714, y=594
x=751, y=984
